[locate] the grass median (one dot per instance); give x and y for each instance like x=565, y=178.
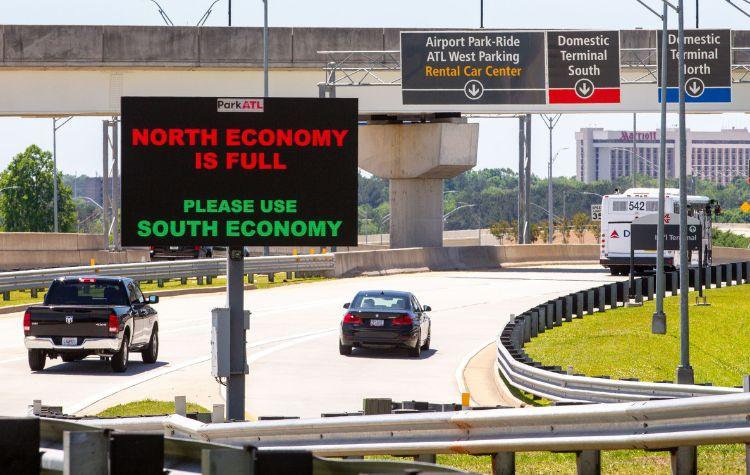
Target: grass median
x=147, y=407
x=619, y=343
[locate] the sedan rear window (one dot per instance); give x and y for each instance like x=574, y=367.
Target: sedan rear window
x=380, y=302
x=85, y=293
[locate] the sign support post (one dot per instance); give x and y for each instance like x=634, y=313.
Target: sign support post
x=659, y=319
x=685, y=374
x=237, y=339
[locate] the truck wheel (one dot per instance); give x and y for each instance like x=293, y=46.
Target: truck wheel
x=151, y=352
x=37, y=360
x=119, y=361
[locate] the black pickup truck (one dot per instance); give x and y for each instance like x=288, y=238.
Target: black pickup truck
x=82, y=316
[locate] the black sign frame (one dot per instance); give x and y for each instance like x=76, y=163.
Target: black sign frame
x=296, y=185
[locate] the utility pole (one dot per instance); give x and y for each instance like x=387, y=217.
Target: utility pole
x=229, y=11
x=685, y=373
x=633, y=154
x=527, y=179
x=659, y=319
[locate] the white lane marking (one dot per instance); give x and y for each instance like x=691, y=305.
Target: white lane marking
x=288, y=341
x=459, y=375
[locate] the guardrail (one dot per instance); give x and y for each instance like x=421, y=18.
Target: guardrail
x=33, y=279
x=39, y=445
x=555, y=384
x=585, y=430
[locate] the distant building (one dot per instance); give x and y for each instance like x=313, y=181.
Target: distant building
x=715, y=156
x=90, y=187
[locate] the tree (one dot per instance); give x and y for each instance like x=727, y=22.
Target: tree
x=501, y=230
x=543, y=232
x=580, y=223
x=565, y=231
x=27, y=204
x=534, y=233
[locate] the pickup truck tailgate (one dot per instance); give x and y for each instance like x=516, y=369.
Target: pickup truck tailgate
x=70, y=321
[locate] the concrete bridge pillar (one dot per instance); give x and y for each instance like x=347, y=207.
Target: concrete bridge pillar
x=416, y=158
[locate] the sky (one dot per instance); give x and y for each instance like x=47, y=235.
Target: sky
x=79, y=141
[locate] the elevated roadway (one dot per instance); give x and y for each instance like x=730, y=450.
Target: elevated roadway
x=295, y=368
x=96, y=65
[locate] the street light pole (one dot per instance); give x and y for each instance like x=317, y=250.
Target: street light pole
x=659, y=319
x=481, y=13
x=685, y=373
x=266, y=249
x=55, y=191
x=550, y=121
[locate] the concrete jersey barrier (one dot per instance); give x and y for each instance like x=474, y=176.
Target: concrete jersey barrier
x=458, y=258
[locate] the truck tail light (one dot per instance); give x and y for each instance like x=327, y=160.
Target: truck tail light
x=26, y=323
x=349, y=318
x=114, y=323
x=401, y=320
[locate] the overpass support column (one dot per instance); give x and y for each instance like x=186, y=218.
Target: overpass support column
x=416, y=158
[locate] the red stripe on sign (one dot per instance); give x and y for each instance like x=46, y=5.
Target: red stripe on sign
x=600, y=96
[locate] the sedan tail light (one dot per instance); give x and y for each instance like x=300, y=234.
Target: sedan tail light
x=26, y=323
x=114, y=323
x=402, y=320
x=349, y=318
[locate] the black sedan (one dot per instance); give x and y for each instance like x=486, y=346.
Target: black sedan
x=385, y=318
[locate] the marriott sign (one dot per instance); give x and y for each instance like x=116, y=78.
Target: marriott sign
x=638, y=136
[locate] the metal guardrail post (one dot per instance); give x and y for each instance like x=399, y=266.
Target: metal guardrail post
x=19, y=441
x=227, y=462
x=297, y=462
x=650, y=283
x=684, y=460
x=534, y=323
x=426, y=458
x=589, y=462
x=550, y=314
x=180, y=405
x=542, y=321
x=127, y=449
x=373, y=406
x=504, y=463
x=86, y=452
x=718, y=279
x=602, y=295
x=217, y=413
x=612, y=301
x=579, y=305
x=527, y=324
x=568, y=308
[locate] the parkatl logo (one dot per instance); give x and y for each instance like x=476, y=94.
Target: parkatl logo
x=614, y=235
x=239, y=105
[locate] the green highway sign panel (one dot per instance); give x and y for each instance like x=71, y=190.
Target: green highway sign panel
x=239, y=171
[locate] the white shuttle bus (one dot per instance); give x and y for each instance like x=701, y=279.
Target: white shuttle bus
x=619, y=211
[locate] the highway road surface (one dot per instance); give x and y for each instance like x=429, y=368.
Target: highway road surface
x=295, y=368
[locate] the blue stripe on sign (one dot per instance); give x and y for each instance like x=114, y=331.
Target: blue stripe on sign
x=710, y=94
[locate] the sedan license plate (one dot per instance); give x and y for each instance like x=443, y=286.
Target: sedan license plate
x=69, y=341
x=174, y=248
x=376, y=323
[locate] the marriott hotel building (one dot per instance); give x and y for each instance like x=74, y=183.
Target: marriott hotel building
x=715, y=156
